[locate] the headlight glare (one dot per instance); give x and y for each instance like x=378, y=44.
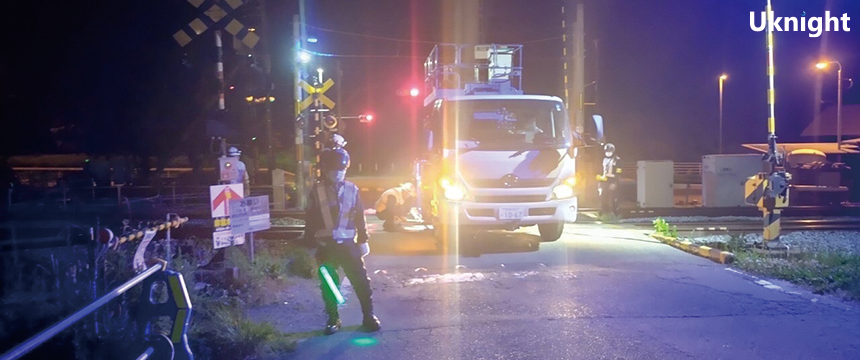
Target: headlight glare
x=562, y=191
x=455, y=192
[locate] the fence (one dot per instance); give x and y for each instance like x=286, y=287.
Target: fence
x=177, y=306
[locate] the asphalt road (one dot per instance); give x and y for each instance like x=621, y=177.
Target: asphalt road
x=600, y=292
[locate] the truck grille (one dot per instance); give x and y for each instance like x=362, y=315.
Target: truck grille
x=481, y=212
x=520, y=183
x=509, y=198
x=541, y=211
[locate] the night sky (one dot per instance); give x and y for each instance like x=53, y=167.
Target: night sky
x=106, y=76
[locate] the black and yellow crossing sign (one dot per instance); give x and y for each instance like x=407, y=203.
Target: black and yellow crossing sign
x=756, y=190
x=216, y=13
x=316, y=93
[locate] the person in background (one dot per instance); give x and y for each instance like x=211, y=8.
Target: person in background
x=608, y=182
x=241, y=172
x=394, y=205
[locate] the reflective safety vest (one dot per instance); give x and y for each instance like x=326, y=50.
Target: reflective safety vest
x=342, y=231
x=382, y=202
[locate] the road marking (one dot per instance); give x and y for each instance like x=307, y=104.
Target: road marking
x=764, y=283
x=768, y=285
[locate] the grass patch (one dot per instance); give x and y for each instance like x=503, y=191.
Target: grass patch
x=823, y=272
x=220, y=328
x=222, y=331
x=662, y=227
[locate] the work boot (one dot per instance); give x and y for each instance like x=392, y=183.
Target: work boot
x=371, y=324
x=332, y=326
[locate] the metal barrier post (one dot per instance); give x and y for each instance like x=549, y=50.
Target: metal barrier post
x=40, y=338
x=177, y=307
x=251, y=240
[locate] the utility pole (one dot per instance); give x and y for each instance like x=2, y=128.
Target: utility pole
x=596, y=74
x=574, y=68
x=339, y=92
x=579, y=67
x=219, y=74
x=299, y=120
x=267, y=70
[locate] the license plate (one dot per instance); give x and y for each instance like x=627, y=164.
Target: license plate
x=511, y=213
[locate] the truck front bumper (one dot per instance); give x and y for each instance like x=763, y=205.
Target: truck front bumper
x=487, y=214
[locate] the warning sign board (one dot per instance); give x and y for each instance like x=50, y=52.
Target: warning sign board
x=220, y=196
x=250, y=214
x=225, y=238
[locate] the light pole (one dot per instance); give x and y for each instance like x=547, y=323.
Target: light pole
x=723, y=78
x=821, y=66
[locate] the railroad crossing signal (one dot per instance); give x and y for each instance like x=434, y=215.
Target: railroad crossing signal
x=316, y=93
x=759, y=190
x=215, y=13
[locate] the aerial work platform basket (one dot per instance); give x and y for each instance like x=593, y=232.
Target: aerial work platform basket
x=455, y=70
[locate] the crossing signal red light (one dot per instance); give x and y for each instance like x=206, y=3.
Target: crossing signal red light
x=414, y=92
x=366, y=118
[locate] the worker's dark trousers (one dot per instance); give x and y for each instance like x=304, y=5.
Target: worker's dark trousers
x=391, y=210
x=609, y=197
x=347, y=256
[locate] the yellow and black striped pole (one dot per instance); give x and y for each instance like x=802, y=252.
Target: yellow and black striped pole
x=772, y=185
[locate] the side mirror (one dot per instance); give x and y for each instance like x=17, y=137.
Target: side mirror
x=428, y=139
x=598, y=124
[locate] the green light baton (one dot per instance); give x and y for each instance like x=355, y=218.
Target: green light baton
x=328, y=280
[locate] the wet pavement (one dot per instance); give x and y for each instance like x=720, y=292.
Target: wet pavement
x=600, y=292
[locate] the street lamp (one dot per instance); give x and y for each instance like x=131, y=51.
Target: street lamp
x=821, y=66
x=304, y=57
x=723, y=78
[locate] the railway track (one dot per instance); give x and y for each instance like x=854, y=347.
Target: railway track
x=288, y=232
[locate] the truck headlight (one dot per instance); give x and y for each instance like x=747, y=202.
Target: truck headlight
x=452, y=190
x=565, y=189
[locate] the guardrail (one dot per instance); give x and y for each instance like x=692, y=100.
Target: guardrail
x=177, y=307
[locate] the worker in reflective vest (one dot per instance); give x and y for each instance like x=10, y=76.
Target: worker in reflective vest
x=608, y=181
x=393, y=206
x=336, y=227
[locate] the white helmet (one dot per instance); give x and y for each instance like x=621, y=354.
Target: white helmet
x=233, y=151
x=337, y=141
x=609, y=148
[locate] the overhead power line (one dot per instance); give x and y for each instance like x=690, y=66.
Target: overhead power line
x=415, y=40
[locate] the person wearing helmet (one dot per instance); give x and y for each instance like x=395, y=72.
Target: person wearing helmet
x=336, y=227
x=608, y=181
x=393, y=206
x=242, y=176
x=336, y=141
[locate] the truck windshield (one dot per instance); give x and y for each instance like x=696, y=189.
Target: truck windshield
x=507, y=124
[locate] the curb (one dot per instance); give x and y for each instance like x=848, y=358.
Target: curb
x=717, y=255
